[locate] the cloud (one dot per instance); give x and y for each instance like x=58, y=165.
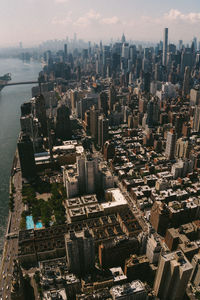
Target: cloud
x=111, y=21
x=64, y=20
x=94, y=18
x=92, y=15
x=176, y=15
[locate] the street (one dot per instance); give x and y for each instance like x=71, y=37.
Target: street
x=11, y=241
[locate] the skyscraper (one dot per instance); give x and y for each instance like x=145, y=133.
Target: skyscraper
x=103, y=102
x=102, y=130
x=170, y=144
x=63, y=124
x=196, y=122
x=196, y=270
x=172, y=276
x=40, y=111
x=186, y=81
x=65, y=52
x=94, y=114
x=80, y=251
x=165, y=45
x=26, y=156
x=112, y=95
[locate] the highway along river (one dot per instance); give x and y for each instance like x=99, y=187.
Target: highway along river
x=10, y=100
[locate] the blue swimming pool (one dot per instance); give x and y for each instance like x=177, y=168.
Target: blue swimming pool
x=38, y=225
x=30, y=223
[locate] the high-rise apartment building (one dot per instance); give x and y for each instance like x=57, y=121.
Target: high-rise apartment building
x=80, y=252
x=94, y=114
x=40, y=113
x=102, y=130
x=172, y=276
x=103, y=102
x=170, y=144
x=196, y=122
x=111, y=97
x=165, y=45
x=195, y=278
x=26, y=156
x=63, y=124
x=186, y=81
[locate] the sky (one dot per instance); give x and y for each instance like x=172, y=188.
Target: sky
x=33, y=21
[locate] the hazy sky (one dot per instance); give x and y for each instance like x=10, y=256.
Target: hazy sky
x=32, y=21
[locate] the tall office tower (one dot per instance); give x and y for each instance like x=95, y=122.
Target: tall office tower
x=63, y=124
x=103, y=102
x=195, y=278
x=147, y=81
x=183, y=148
x=80, y=160
x=145, y=65
x=91, y=175
x=125, y=50
x=123, y=40
x=152, y=113
x=172, y=48
x=170, y=144
x=194, y=96
x=133, y=54
x=80, y=252
x=26, y=123
x=186, y=60
x=195, y=43
x=94, y=114
x=26, y=156
x=196, y=122
x=26, y=108
x=74, y=97
x=158, y=72
x=186, y=81
x=103, y=124
x=40, y=111
x=109, y=150
x=138, y=66
x=106, y=55
x=115, y=61
x=143, y=105
x=165, y=45
x=112, y=97
x=180, y=44
x=153, y=247
x=179, y=121
x=172, y=276
x=65, y=52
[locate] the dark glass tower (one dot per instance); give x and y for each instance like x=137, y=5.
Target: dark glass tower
x=26, y=156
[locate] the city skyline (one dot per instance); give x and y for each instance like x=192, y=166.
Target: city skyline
x=32, y=21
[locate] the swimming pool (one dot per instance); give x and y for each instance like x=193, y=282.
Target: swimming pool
x=38, y=225
x=30, y=224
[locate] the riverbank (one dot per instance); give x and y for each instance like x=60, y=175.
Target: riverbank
x=11, y=99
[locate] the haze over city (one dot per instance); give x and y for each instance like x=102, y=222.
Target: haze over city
x=100, y=150
x=32, y=21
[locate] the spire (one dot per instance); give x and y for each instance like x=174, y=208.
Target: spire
x=123, y=38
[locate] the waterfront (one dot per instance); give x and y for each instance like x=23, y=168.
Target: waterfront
x=10, y=100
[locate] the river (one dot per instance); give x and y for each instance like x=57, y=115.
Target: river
x=10, y=100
